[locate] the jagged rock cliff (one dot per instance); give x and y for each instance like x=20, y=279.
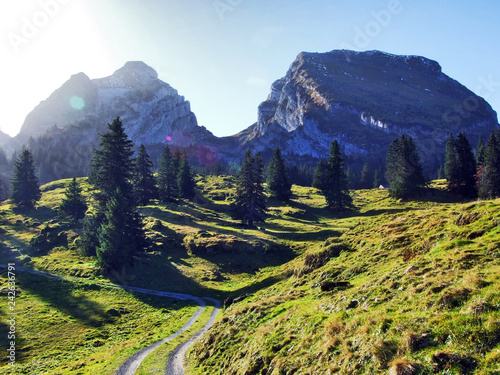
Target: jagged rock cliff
x=366, y=99
x=150, y=109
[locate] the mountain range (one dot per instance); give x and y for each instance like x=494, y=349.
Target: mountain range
x=363, y=99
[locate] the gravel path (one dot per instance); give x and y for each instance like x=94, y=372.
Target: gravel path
x=133, y=363
x=176, y=357
x=174, y=364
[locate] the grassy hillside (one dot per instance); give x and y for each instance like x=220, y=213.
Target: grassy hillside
x=389, y=285
x=413, y=289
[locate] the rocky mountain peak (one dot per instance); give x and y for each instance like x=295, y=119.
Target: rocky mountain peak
x=364, y=100
x=134, y=74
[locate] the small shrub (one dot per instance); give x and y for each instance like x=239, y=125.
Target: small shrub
x=444, y=361
x=454, y=298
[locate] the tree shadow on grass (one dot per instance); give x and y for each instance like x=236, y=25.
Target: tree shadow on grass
x=40, y=213
x=60, y=295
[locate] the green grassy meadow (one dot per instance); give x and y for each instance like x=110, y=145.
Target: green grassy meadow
x=389, y=287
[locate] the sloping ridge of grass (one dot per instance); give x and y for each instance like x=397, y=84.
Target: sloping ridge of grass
x=411, y=292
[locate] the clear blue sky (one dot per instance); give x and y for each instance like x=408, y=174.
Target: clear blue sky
x=223, y=55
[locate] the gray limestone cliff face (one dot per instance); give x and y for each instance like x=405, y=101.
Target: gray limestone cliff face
x=150, y=109
x=365, y=99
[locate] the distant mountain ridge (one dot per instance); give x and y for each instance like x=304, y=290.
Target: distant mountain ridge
x=362, y=99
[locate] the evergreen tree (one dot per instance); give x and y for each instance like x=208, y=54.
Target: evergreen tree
x=89, y=240
x=466, y=183
x=320, y=175
x=335, y=189
x=451, y=164
x=460, y=166
x=177, y=161
x=366, y=178
x=167, y=177
x=73, y=205
x=403, y=168
x=143, y=179
x=112, y=164
x=119, y=229
x=185, y=181
x=249, y=205
x=121, y=234
x=489, y=184
x=278, y=183
x=481, y=151
x=25, y=188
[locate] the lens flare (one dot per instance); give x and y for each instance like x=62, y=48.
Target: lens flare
x=77, y=102
x=169, y=138
x=235, y=167
x=207, y=155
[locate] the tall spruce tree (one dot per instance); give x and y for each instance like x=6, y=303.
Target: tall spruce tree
x=167, y=177
x=112, y=164
x=24, y=185
x=489, y=184
x=249, y=205
x=460, y=166
x=335, y=185
x=143, y=180
x=403, y=168
x=185, y=182
x=278, y=183
x=73, y=205
x=112, y=173
x=120, y=235
x=451, y=164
